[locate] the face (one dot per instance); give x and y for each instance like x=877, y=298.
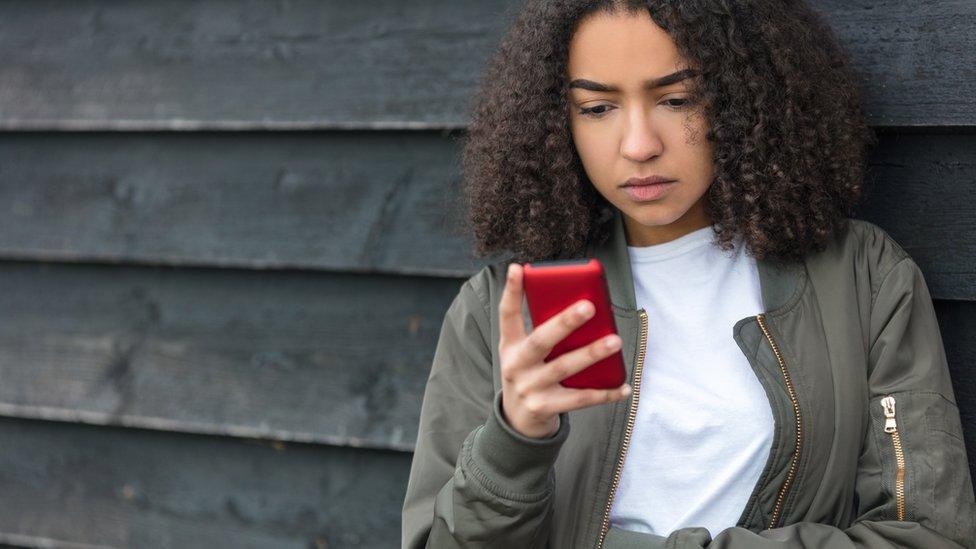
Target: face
x=633, y=130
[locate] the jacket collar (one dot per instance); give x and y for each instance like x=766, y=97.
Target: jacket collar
x=778, y=281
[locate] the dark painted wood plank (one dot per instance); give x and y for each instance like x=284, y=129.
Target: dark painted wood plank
x=920, y=190
x=913, y=57
x=335, y=359
x=356, y=201
x=16, y=541
x=364, y=201
x=197, y=64
x=114, y=487
x=192, y=64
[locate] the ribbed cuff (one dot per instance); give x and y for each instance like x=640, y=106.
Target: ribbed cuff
x=518, y=466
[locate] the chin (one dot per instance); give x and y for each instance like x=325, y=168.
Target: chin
x=653, y=215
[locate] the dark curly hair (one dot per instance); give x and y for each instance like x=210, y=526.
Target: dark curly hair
x=783, y=110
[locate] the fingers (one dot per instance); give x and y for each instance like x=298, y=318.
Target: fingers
x=511, y=327
x=577, y=360
x=566, y=399
x=544, y=337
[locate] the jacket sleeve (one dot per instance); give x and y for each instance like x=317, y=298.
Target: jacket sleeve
x=474, y=481
x=907, y=362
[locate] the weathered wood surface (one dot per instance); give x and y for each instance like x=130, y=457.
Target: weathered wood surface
x=354, y=201
x=197, y=64
x=920, y=190
x=383, y=202
x=334, y=359
x=77, y=486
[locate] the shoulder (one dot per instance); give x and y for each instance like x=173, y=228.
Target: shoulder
x=479, y=295
x=487, y=283
x=481, y=285
x=878, y=253
x=862, y=243
x=868, y=251
x=874, y=245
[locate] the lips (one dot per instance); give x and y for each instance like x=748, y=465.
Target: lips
x=651, y=180
x=643, y=193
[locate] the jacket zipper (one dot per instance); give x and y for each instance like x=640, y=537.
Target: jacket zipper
x=631, y=415
x=778, y=508
x=888, y=403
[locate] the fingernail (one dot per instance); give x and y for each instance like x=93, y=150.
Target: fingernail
x=626, y=390
x=511, y=270
x=583, y=309
x=612, y=342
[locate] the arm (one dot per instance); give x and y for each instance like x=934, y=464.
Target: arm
x=907, y=361
x=473, y=479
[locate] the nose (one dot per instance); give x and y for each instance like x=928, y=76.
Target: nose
x=641, y=140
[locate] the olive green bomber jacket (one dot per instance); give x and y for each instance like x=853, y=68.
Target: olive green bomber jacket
x=867, y=451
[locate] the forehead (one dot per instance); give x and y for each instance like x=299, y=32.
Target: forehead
x=621, y=47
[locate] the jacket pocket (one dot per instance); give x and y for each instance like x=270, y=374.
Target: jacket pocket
x=889, y=408
x=924, y=469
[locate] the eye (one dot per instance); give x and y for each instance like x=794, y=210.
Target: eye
x=681, y=102
x=594, y=112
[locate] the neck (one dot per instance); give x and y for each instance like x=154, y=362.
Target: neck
x=649, y=235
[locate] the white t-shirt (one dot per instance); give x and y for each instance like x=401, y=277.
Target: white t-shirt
x=704, y=426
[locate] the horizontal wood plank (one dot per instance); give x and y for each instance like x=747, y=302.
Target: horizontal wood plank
x=325, y=358
x=920, y=190
x=353, y=201
x=78, y=486
x=382, y=202
x=333, y=359
x=221, y=64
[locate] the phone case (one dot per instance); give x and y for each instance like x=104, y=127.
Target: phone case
x=550, y=287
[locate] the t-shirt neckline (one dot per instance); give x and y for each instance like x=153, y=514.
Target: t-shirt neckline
x=671, y=248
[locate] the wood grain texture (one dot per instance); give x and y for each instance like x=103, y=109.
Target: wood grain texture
x=914, y=58
x=81, y=486
x=350, y=201
x=372, y=202
x=221, y=64
x=333, y=359
x=920, y=190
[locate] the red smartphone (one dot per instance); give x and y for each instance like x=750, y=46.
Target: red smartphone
x=550, y=287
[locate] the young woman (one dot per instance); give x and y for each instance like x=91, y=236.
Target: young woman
x=788, y=385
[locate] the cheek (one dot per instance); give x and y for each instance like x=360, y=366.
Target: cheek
x=594, y=148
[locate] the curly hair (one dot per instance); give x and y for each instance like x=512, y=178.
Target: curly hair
x=782, y=107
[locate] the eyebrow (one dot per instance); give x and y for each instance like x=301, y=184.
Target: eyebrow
x=666, y=80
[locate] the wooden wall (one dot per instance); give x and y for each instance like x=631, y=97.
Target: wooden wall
x=229, y=233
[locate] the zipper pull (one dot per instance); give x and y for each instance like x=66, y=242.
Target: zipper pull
x=888, y=403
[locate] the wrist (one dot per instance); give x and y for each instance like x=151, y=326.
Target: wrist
x=540, y=431
x=514, y=465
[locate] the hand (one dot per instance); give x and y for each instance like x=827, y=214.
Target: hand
x=532, y=397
